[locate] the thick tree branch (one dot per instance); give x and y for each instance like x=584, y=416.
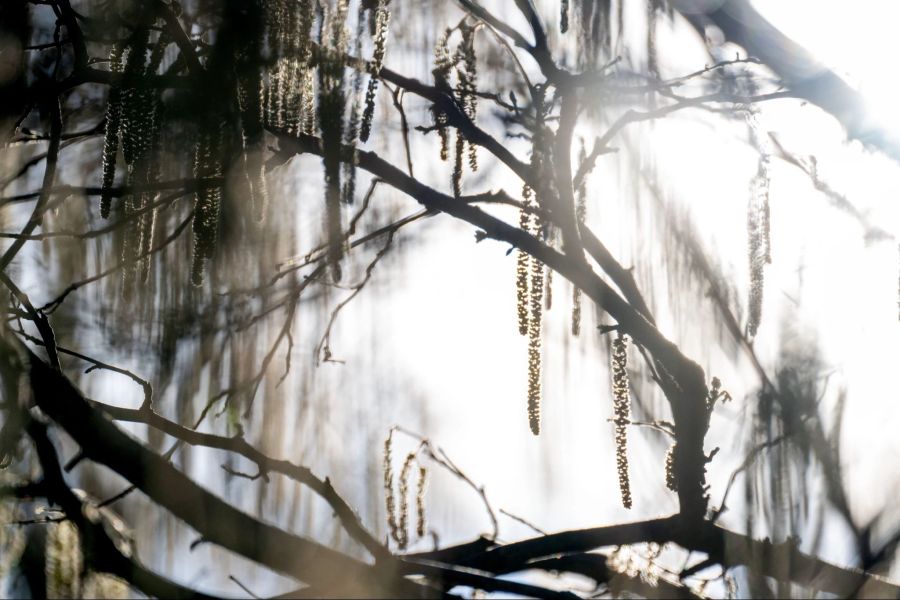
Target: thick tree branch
x=781, y=561
x=215, y=520
x=102, y=555
x=239, y=445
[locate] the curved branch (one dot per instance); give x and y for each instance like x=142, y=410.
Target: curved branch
x=239, y=445
x=215, y=520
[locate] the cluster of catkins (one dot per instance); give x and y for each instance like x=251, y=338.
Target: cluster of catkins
x=621, y=408
x=530, y=274
x=529, y=307
x=464, y=93
x=289, y=95
x=133, y=117
x=284, y=81
x=398, y=516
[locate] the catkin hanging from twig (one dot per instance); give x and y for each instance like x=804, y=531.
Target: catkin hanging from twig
x=111, y=132
x=523, y=260
x=389, y=499
x=133, y=117
x=420, y=501
x=207, y=164
x=759, y=251
x=403, y=525
x=534, y=347
x=458, y=164
x=535, y=314
x=382, y=21
x=149, y=159
x=468, y=79
x=621, y=408
x=139, y=127
x=441, y=72
x=397, y=504
x=671, y=481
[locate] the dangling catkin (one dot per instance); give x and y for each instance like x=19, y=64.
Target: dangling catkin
x=389, y=499
x=576, y=310
x=548, y=288
x=468, y=79
x=621, y=407
x=756, y=261
x=146, y=169
x=534, y=337
x=522, y=268
x=523, y=263
x=292, y=102
x=759, y=244
x=111, y=132
x=205, y=225
x=458, y=164
x=534, y=351
x=303, y=92
x=671, y=482
x=382, y=20
x=441, y=72
x=403, y=492
x=420, y=501
x=139, y=132
x=133, y=117
x=274, y=18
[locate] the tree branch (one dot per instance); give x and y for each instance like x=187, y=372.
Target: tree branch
x=215, y=520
